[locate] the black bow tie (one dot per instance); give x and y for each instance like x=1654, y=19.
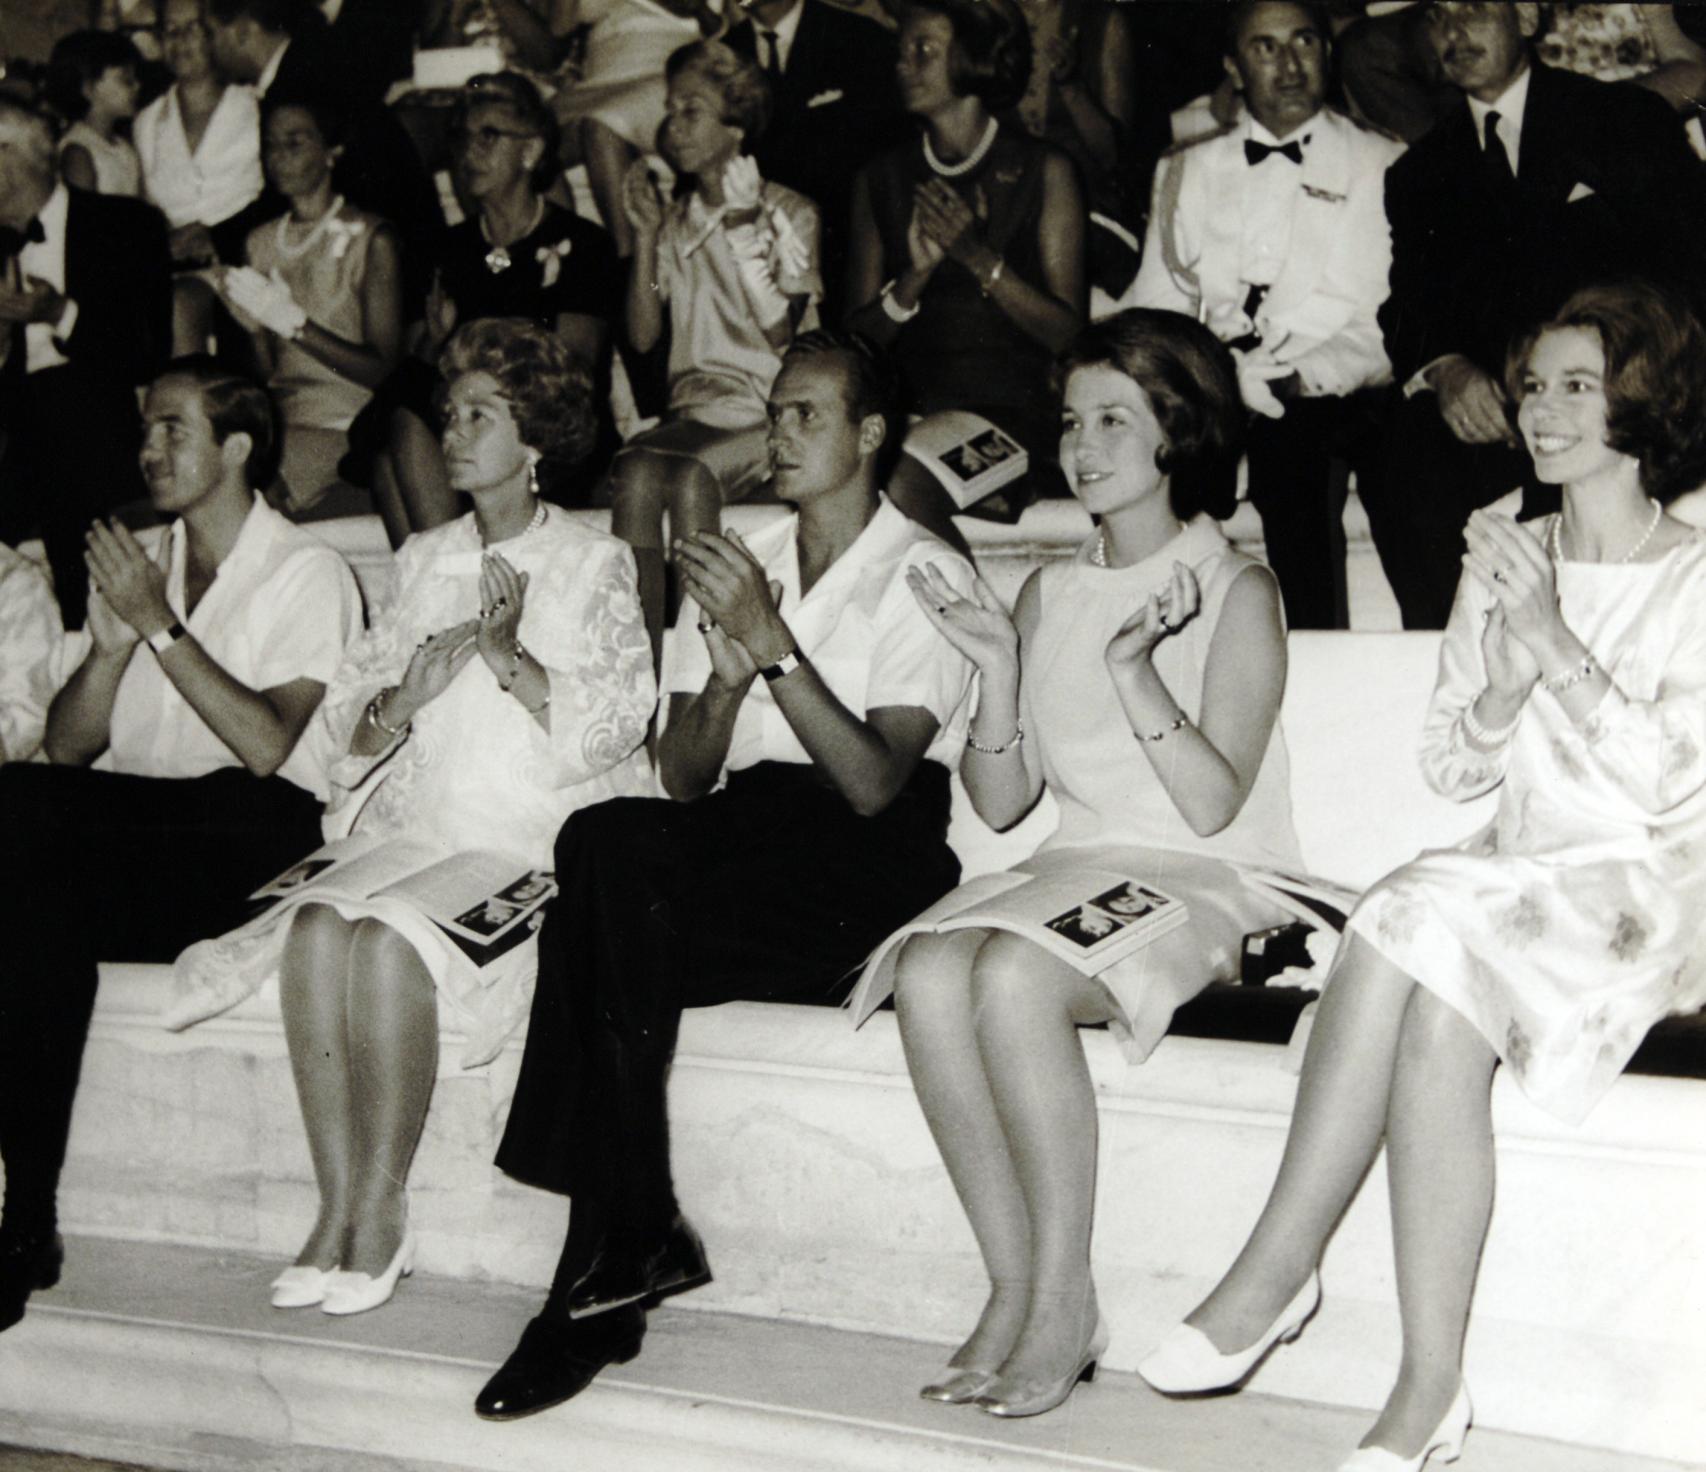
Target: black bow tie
x=1255, y=152
x=12, y=242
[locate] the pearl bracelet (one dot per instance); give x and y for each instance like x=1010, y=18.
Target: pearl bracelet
x=1164, y=732
x=373, y=709
x=1016, y=739
x=515, y=657
x=1561, y=682
x=1489, y=738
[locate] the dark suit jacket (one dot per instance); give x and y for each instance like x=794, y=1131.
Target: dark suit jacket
x=1470, y=270
x=818, y=149
x=119, y=272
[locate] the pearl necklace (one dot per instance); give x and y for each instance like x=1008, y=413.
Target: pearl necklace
x=526, y=532
x=970, y=161
x=1555, y=538
x=498, y=258
x=296, y=252
x=1099, y=553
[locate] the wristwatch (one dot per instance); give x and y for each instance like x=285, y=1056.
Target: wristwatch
x=163, y=639
x=786, y=665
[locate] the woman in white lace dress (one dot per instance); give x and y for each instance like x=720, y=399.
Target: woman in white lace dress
x=509, y=684
x=1573, y=681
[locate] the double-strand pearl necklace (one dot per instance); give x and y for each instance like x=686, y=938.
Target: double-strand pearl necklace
x=296, y=252
x=498, y=258
x=970, y=161
x=526, y=532
x=1556, y=538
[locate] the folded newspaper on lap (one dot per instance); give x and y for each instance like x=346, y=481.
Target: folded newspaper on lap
x=484, y=902
x=967, y=454
x=1089, y=918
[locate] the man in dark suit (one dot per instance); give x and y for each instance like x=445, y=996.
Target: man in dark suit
x=835, y=107
x=284, y=48
x=1538, y=183
x=85, y=316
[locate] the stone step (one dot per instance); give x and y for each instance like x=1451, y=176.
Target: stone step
x=170, y=1356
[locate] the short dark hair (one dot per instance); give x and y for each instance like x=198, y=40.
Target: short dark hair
x=77, y=62
x=290, y=17
x=747, y=101
x=873, y=385
x=991, y=54
x=1655, y=377
x=548, y=389
x=521, y=97
x=320, y=103
x=1239, y=12
x=234, y=404
x=1191, y=382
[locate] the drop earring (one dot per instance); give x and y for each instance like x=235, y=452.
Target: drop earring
x=533, y=476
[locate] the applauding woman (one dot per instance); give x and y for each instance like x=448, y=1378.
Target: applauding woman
x=1139, y=683
x=1573, y=680
x=968, y=246
x=508, y=685
x=812, y=713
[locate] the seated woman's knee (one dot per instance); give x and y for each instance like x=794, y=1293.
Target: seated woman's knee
x=1009, y=972
x=1434, y=1029
x=926, y=961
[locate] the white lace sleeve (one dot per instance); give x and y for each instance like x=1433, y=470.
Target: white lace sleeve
x=585, y=628
x=1453, y=766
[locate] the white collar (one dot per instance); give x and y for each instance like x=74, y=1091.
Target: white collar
x=269, y=72
x=1262, y=134
x=52, y=216
x=784, y=30
x=1511, y=105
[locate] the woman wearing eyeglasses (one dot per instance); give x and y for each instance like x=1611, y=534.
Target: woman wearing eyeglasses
x=518, y=255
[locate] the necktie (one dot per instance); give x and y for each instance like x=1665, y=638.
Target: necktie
x=772, y=54
x=1255, y=152
x=1498, y=161
x=12, y=242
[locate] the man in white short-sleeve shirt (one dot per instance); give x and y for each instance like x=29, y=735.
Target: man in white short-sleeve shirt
x=180, y=780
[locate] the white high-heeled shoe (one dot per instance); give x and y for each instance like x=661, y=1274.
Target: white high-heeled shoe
x=301, y=1286
x=1446, y=1442
x=1187, y=1363
x=355, y=1293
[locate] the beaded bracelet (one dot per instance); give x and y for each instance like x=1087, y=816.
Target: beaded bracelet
x=378, y=720
x=1559, y=683
x=516, y=655
x=1164, y=732
x=1015, y=739
x=1492, y=737
x=542, y=707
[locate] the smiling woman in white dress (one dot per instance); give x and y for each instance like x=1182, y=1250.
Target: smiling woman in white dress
x=1573, y=681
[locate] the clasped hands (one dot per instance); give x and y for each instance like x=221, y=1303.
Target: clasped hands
x=34, y=302
x=1524, y=628
x=943, y=224
x=741, y=616
x=127, y=593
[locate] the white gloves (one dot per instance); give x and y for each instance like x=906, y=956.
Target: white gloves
x=742, y=184
x=750, y=246
x=265, y=298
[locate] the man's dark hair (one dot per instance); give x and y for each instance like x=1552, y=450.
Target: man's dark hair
x=290, y=17
x=1237, y=14
x=234, y=404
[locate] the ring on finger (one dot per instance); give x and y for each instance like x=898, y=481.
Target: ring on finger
x=1167, y=624
x=1499, y=575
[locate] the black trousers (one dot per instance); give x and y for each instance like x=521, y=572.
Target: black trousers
x=1302, y=501
x=771, y=890
x=1431, y=483
x=98, y=866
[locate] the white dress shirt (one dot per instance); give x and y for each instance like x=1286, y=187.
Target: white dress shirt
x=860, y=627
x=784, y=30
x=214, y=180
x=269, y=72
x=1511, y=106
x=282, y=607
x=44, y=260
x=1270, y=200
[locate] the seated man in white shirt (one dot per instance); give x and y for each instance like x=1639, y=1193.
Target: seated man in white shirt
x=814, y=713
x=182, y=776
x=1274, y=234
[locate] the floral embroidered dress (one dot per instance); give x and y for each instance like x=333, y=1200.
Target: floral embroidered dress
x=475, y=771
x=1570, y=924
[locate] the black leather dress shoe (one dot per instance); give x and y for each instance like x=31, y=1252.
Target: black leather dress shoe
x=555, y=1361
x=629, y=1270
x=26, y=1264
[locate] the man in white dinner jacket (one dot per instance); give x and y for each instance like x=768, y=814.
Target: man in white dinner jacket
x=1274, y=233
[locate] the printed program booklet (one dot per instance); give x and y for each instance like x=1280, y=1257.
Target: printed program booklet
x=971, y=457
x=1089, y=918
x=484, y=902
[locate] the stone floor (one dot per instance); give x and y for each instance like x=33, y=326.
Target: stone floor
x=22, y=1459
x=170, y=1356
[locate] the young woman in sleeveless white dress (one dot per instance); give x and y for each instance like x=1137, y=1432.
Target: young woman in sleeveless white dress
x=1140, y=684
x=1572, y=679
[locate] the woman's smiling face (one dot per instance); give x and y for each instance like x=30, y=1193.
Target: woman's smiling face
x=1563, y=411
x=1109, y=439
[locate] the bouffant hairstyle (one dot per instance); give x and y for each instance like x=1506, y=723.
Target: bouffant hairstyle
x=1191, y=382
x=520, y=98
x=323, y=106
x=1655, y=377
x=77, y=62
x=991, y=54
x=234, y=404
x=746, y=92
x=1237, y=14
x=548, y=389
